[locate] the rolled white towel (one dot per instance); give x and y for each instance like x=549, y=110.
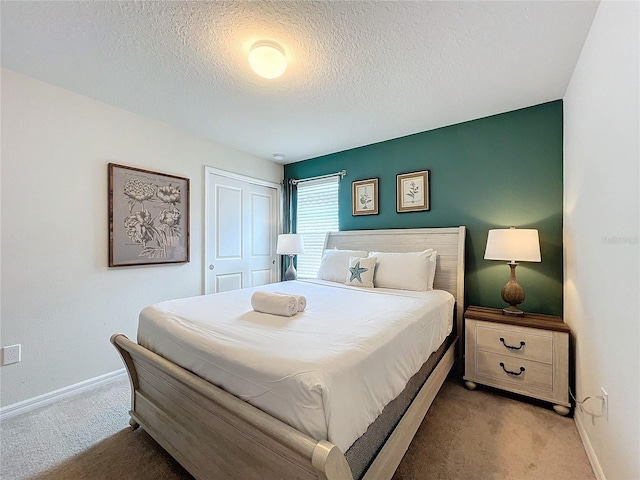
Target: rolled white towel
x=274, y=303
x=302, y=300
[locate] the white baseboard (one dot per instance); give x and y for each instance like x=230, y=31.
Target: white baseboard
x=591, y=454
x=57, y=395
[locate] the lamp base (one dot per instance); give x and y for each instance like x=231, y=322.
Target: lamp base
x=512, y=311
x=291, y=273
x=513, y=294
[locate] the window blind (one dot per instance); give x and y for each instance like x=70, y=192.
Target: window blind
x=316, y=214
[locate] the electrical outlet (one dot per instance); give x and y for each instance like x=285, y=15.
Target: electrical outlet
x=11, y=354
x=605, y=403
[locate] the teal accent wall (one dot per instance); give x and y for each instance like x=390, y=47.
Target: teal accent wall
x=494, y=172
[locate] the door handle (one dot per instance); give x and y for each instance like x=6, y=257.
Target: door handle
x=273, y=262
x=211, y=267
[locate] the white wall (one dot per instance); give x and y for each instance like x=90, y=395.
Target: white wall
x=601, y=230
x=59, y=298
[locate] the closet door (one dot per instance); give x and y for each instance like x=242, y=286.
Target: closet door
x=242, y=218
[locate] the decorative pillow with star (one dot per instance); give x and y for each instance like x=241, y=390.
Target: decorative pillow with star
x=360, y=273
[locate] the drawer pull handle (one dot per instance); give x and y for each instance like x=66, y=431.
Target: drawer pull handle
x=522, y=344
x=510, y=372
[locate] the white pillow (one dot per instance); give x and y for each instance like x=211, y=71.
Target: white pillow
x=432, y=269
x=335, y=263
x=406, y=271
x=360, y=272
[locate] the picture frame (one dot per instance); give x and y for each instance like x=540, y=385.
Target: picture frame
x=364, y=197
x=148, y=217
x=413, y=191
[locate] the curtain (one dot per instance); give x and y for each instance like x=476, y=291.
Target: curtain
x=288, y=217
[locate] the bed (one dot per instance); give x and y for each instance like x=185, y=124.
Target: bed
x=214, y=434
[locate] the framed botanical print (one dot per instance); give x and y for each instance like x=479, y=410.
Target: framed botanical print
x=413, y=191
x=364, y=197
x=148, y=217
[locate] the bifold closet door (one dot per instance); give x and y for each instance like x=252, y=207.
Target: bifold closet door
x=242, y=230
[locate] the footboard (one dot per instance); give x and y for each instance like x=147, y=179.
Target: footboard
x=214, y=434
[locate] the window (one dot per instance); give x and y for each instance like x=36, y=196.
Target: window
x=317, y=214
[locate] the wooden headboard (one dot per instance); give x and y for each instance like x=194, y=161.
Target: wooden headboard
x=449, y=243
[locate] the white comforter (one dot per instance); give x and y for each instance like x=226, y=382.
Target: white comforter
x=328, y=371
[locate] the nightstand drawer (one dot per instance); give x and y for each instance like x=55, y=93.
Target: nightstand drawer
x=508, y=371
x=525, y=343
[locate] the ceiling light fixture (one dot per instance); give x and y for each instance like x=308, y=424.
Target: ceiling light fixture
x=267, y=59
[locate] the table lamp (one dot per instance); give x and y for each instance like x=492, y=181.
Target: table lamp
x=513, y=244
x=290, y=244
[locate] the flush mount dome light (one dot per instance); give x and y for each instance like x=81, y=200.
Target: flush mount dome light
x=267, y=59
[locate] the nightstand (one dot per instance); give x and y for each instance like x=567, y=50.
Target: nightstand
x=526, y=355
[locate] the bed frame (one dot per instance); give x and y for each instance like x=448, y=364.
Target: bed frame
x=216, y=435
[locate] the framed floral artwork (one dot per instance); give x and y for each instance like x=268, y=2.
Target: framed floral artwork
x=413, y=191
x=148, y=217
x=364, y=197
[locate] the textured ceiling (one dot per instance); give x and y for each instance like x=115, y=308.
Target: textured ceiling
x=359, y=72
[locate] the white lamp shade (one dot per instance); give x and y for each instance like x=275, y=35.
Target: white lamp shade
x=290, y=244
x=513, y=244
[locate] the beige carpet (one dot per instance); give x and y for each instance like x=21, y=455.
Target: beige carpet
x=466, y=435
x=484, y=435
